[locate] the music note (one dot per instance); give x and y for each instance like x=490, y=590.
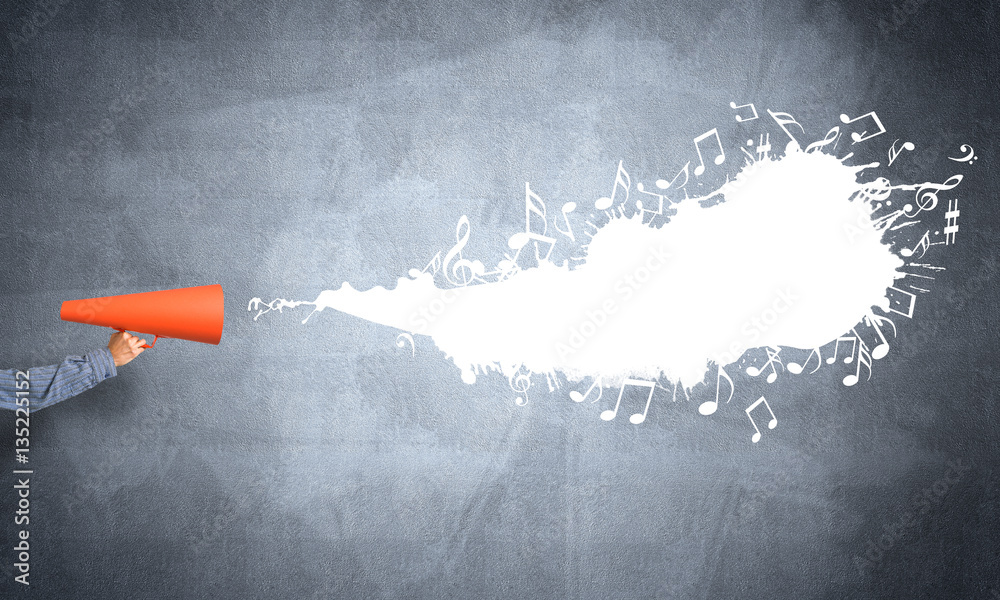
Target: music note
x=462, y=238
x=926, y=196
x=519, y=382
x=860, y=137
x=882, y=349
x=885, y=221
x=764, y=146
x=709, y=407
x=952, y=222
x=566, y=209
x=519, y=240
x=740, y=119
x=970, y=158
x=621, y=180
x=831, y=137
x=922, y=245
x=719, y=159
x=864, y=358
x=400, y=343
x=505, y=268
x=783, y=119
x=899, y=299
x=874, y=192
x=434, y=265
x=664, y=184
x=638, y=417
x=836, y=349
x=642, y=207
x=893, y=152
x=533, y=205
x=771, y=357
x=796, y=368
x=770, y=425
x=575, y=396
x=467, y=271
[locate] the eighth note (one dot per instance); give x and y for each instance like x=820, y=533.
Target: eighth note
x=922, y=245
x=893, y=153
x=797, y=369
x=709, y=407
x=740, y=119
x=882, y=349
x=637, y=418
x=860, y=137
x=664, y=184
x=566, y=209
x=719, y=159
x=575, y=396
x=621, y=180
x=836, y=349
x=785, y=120
x=771, y=357
x=771, y=424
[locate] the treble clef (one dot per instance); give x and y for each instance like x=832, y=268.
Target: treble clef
x=464, y=271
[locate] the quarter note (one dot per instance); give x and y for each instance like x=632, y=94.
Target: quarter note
x=860, y=137
x=709, y=407
x=719, y=159
x=770, y=425
x=621, y=180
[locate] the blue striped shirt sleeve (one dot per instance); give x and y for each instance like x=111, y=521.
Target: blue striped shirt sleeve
x=55, y=383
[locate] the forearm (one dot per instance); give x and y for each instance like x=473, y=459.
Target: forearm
x=51, y=384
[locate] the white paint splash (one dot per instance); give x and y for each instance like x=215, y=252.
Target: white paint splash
x=790, y=258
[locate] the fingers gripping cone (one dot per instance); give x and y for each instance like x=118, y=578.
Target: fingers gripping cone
x=194, y=313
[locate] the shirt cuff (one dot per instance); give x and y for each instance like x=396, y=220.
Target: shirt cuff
x=102, y=363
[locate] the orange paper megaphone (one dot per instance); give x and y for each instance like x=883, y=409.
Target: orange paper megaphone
x=194, y=313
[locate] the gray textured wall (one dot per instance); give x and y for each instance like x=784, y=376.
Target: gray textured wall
x=280, y=148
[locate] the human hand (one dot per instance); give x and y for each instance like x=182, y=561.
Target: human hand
x=124, y=347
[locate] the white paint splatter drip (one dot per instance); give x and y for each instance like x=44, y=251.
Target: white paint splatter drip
x=790, y=258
